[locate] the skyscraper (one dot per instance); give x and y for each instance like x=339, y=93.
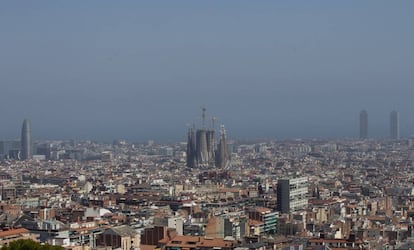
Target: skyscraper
x=363, y=124
x=395, y=125
x=26, y=140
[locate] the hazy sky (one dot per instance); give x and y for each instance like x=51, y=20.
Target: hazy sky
x=141, y=69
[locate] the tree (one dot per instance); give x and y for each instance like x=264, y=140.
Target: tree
x=29, y=245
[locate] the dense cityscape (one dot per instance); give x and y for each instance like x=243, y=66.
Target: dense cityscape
x=206, y=125
x=210, y=192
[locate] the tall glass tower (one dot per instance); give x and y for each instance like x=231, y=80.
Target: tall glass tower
x=363, y=124
x=26, y=140
x=395, y=125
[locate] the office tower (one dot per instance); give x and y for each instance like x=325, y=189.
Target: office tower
x=26, y=140
x=191, y=148
x=395, y=125
x=222, y=152
x=363, y=124
x=292, y=194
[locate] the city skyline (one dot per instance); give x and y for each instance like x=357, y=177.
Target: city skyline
x=136, y=70
x=205, y=125
x=394, y=132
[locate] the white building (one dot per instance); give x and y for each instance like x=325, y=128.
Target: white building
x=292, y=194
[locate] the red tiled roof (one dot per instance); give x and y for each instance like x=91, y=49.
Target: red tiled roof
x=13, y=232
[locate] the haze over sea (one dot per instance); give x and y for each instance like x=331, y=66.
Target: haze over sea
x=141, y=69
